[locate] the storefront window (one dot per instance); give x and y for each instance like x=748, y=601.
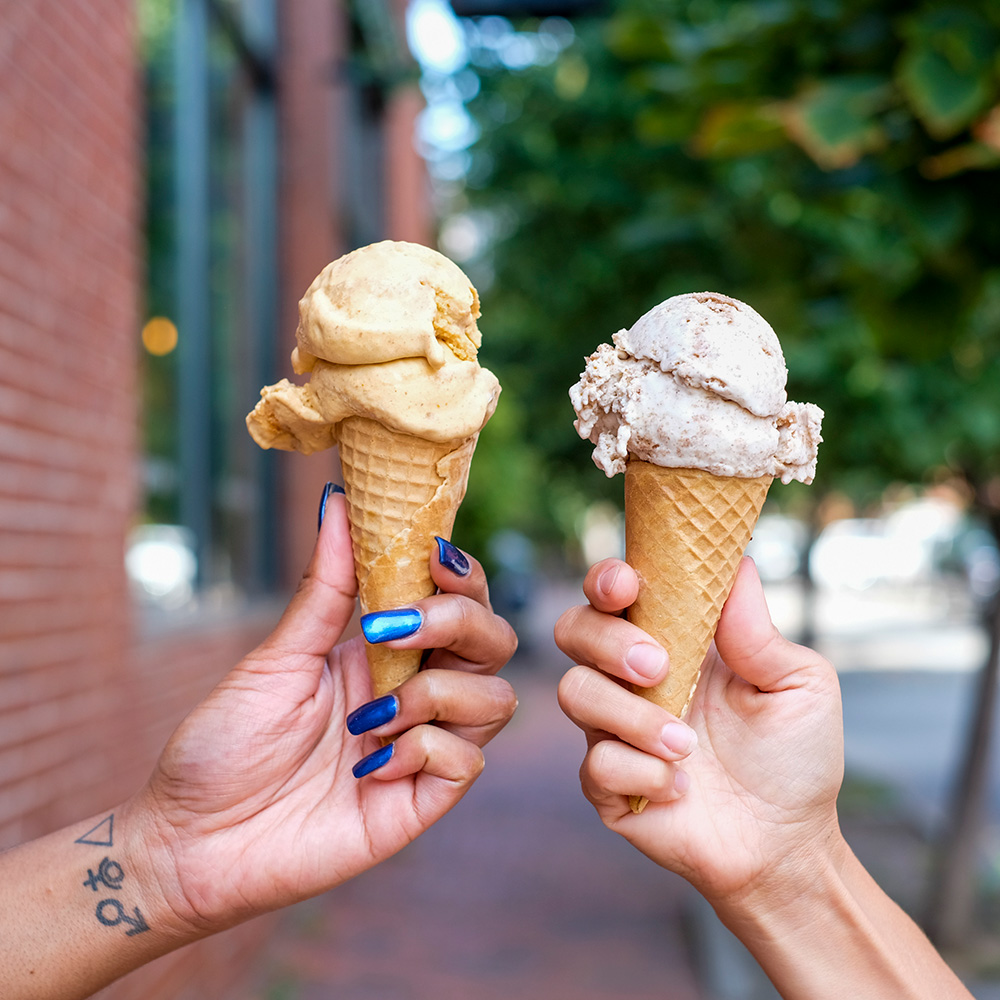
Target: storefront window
x=211, y=289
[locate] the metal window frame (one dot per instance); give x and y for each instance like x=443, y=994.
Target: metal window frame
x=253, y=34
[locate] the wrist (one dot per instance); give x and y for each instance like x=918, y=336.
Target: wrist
x=822, y=929
x=88, y=908
x=153, y=848
x=806, y=927
x=802, y=886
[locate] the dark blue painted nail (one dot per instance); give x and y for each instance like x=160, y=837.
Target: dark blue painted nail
x=372, y=715
x=452, y=558
x=381, y=626
x=328, y=490
x=375, y=760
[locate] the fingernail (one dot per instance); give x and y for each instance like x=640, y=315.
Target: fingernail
x=646, y=659
x=679, y=738
x=607, y=579
x=375, y=760
x=372, y=715
x=381, y=626
x=328, y=490
x=682, y=781
x=452, y=558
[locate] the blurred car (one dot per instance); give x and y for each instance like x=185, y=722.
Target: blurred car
x=920, y=542
x=850, y=553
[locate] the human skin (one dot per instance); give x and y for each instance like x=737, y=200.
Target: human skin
x=742, y=793
x=253, y=804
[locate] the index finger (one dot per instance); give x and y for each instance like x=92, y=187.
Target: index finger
x=613, y=645
x=462, y=633
x=456, y=572
x=611, y=585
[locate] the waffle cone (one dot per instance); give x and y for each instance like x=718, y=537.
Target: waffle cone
x=401, y=492
x=685, y=533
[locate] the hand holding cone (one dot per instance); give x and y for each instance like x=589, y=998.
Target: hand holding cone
x=388, y=336
x=690, y=404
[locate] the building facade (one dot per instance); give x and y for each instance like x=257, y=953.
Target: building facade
x=93, y=677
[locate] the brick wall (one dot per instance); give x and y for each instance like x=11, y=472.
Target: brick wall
x=313, y=35
x=87, y=698
x=86, y=702
x=69, y=270
x=407, y=195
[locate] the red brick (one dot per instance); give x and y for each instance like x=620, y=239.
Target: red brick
x=87, y=698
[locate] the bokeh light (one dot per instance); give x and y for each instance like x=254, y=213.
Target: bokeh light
x=159, y=336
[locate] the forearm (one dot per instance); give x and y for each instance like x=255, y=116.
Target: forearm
x=835, y=933
x=80, y=909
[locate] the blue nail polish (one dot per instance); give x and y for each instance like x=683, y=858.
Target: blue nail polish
x=381, y=626
x=452, y=558
x=329, y=489
x=375, y=760
x=372, y=715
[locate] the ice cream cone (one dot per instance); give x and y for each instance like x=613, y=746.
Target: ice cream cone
x=401, y=492
x=685, y=533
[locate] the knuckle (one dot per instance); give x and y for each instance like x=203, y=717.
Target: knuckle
x=505, y=700
x=566, y=628
x=496, y=705
x=425, y=738
x=510, y=639
x=572, y=686
x=661, y=782
x=425, y=692
x=458, y=614
x=499, y=705
x=454, y=616
x=465, y=760
x=477, y=762
x=601, y=762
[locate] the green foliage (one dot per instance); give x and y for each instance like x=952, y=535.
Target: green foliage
x=832, y=162
x=947, y=67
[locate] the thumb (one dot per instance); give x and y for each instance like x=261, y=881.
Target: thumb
x=750, y=644
x=322, y=606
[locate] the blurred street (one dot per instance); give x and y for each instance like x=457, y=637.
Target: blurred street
x=520, y=891
x=907, y=658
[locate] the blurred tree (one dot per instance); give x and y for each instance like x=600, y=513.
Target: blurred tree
x=835, y=163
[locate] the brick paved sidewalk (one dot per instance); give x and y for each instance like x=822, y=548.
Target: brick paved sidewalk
x=519, y=892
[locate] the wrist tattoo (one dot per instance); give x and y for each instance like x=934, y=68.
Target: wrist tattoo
x=101, y=835
x=110, y=875
x=111, y=913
